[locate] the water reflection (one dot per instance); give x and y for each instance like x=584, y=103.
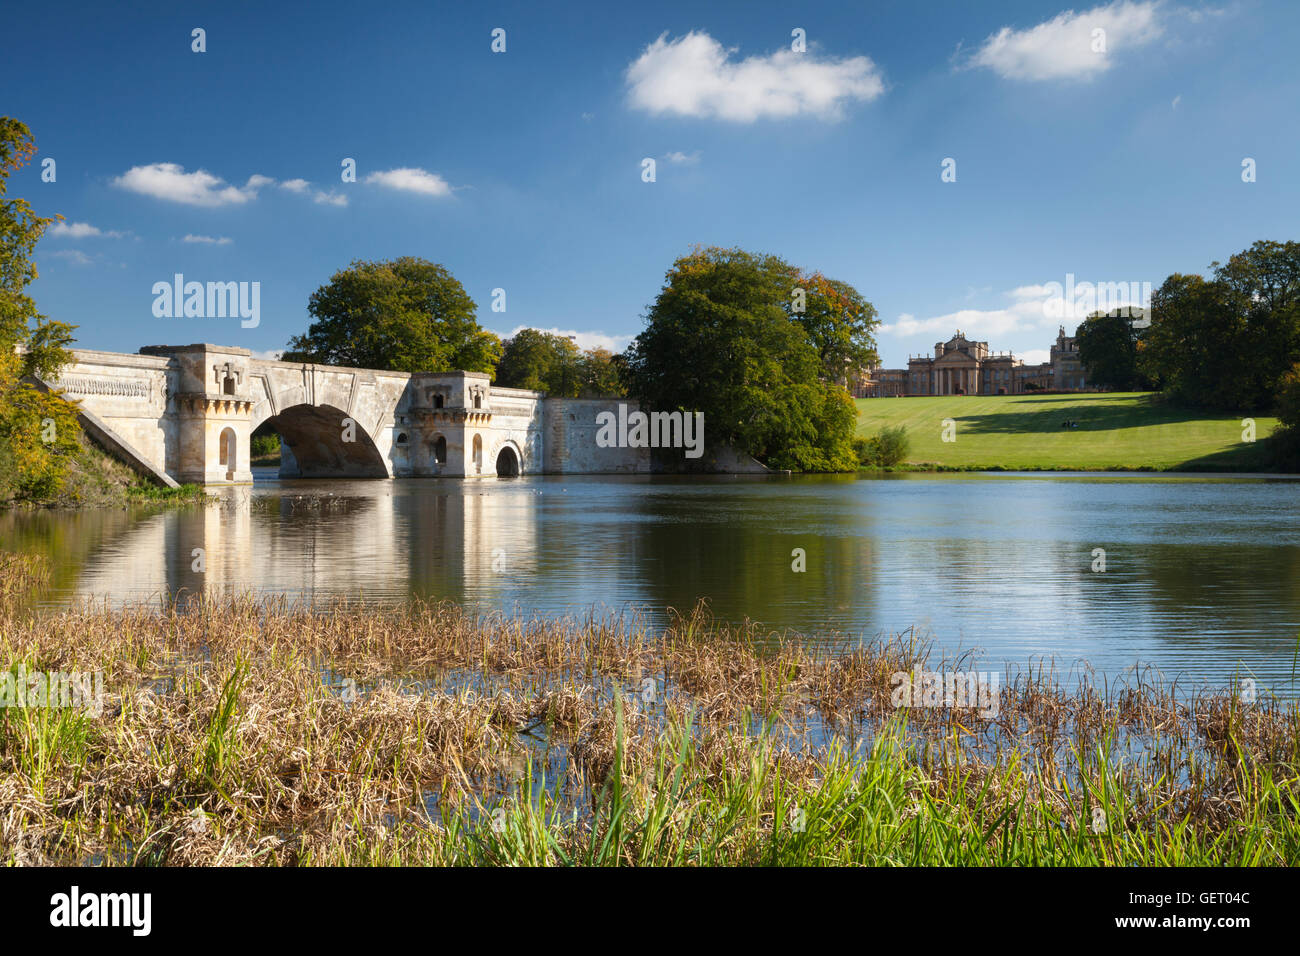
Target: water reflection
x=1202, y=576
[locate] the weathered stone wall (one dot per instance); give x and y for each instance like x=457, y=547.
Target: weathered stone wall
x=129, y=393
x=189, y=411
x=570, y=439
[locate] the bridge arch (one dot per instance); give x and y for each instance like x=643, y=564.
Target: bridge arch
x=324, y=442
x=507, y=459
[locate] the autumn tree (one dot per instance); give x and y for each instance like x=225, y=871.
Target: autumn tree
x=839, y=322
x=39, y=433
x=602, y=373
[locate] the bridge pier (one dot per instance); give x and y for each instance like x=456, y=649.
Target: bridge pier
x=214, y=440
x=211, y=401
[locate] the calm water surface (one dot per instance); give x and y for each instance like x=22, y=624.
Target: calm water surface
x=1202, y=577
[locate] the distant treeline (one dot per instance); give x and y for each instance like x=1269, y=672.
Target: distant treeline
x=1228, y=342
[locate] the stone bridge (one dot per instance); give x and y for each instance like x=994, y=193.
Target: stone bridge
x=185, y=414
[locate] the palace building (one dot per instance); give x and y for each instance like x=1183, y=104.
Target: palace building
x=963, y=367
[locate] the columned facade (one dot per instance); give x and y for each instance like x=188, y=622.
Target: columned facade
x=962, y=366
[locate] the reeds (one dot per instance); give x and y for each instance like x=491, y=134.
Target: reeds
x=239, y=731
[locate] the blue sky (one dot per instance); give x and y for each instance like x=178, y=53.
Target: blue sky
x=522, y=170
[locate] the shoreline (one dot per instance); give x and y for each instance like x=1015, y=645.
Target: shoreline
x=245, y=731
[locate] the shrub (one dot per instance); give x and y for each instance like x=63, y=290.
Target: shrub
x=884, y=450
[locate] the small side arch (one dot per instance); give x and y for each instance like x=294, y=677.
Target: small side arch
x=508, y=460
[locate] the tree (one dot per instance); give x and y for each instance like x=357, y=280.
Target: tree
x=553, y=364
x=1262, y=286
x=601, y=373
x=542, y=361
x=1194, y=346
x=1226, y=342
x=1108, y=349
x=839, y=322
x=1286, y=440
x=39, y=432
x=720, y=339
x=408, y=315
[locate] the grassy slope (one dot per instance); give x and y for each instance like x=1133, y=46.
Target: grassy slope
x=96, y=479
x=1121, y=430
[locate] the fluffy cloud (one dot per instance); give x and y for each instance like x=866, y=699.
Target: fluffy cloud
x=678, y=158
x=171, y=182
x=695, y=76
x=411, y=180
x=80, y=230
x=1067, y=47
x=1031, y=307
x=209, y=240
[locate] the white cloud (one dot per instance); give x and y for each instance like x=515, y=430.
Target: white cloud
x=694, y=75
x=1067, y=47
x=1032, y=308
x=209, y=240
x=75, y=256
x=975, y=323
x=171, y=182
x=683, y=159
x=1035, y=356
x=584, y=340
x=302, y=187
x=267, y=355
x=1177, y=99
x=80, y=230
x=412, y=180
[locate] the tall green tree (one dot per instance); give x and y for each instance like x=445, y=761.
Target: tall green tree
x=721, y=339
x=1108, y=349
x=1195, y=348
x=39, y=433
x=541, y=360
x=553, y=364
x=407, y=314
x=1227, y=342
x=1262, y=286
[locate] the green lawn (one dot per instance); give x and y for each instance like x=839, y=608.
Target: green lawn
x=1118, y=430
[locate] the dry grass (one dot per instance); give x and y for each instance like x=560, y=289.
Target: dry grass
x=244, y=731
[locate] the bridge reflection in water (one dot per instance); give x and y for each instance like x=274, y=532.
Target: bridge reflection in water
x=324, y=540
x=1200, y=579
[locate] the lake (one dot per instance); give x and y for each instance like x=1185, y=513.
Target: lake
x=1201, y=576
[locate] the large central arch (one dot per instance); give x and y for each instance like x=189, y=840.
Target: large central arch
x=325, y=443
